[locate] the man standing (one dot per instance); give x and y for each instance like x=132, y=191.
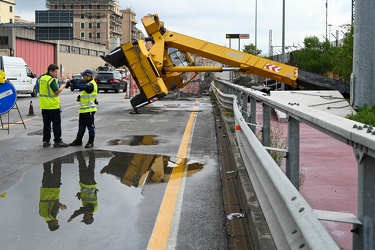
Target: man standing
x=88, y=194
x=87, y=100
x=49, y=90
x=49, y=204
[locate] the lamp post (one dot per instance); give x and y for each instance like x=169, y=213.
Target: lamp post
x=256, y=23
x=283, y=42
x=329, y=33
x=326, y=18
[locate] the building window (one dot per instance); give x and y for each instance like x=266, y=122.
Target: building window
x=64, y=48
x=82, y=34
x=75, y=50
x=98, y=25
x=98, y=7
x=90, y=16
x=82, y=25
x=71, y=7
x=82, y=7
x=10, y=20
x=82, y=16
x=63, y=7
x=98, y=35
x=90, y=25
x=84, y=51
x=98, y=16
x=93, y=53
x=90, y=35
x=10, y=9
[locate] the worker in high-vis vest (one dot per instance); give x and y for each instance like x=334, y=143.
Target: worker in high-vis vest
x=88, y=194
x=87, y=101
x=49, y=90
x=49, y=203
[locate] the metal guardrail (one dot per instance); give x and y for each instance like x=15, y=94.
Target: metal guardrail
x=292, y=222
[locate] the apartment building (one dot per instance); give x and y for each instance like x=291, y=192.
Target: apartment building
x=129, y=30
x=98, y=21
x=7, y=11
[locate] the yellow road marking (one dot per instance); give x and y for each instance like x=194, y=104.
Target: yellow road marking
x=162, y=229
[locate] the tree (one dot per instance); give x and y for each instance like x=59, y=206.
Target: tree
x=251, y=49
x=315, y=57
x=343, y=59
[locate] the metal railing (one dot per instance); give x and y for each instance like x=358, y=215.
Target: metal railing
x=291, y=220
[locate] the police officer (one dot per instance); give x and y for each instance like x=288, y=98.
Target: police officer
x=49, y=90
x=87, y=100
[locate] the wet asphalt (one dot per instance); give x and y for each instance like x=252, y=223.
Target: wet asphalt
x=131, y=165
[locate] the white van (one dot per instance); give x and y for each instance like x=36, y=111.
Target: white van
x=19, y=74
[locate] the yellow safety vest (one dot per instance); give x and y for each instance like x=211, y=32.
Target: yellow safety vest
x=87, y=101
x=88, y=195
x=49, y=197
x=47, y=97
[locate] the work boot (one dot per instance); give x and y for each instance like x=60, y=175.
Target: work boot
x=90, y=143
x=76, y=142
x=46, y=144
x=60, y=144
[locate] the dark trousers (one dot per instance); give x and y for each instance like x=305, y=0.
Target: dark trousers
x=52, y=175
x=86, y=120
x=51, y=116
x=86, y=172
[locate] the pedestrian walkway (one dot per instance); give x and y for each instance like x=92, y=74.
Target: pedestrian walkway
x=329, y=174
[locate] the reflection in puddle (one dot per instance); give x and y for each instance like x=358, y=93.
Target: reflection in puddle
x=80, y=199
x=137, y=169
x=136, y=140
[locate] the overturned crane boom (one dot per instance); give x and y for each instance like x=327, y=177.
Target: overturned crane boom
x=164, y=63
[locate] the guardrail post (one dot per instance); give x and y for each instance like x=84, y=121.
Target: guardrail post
x=292, y=159
x=253, y=113
x=266, y=130
x=364, y=235
x=245, y=97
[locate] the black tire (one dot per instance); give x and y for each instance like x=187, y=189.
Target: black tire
x=34, y=93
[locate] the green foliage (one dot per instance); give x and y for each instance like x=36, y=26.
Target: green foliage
x=251, y=49
x=365, y=115
x=316, y=57
x=321, y=57
x=343, y=60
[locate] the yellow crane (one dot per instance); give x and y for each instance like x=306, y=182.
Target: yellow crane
x=162, y=62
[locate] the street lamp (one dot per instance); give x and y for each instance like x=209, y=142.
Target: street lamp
x=256, y=22
x=329, y=34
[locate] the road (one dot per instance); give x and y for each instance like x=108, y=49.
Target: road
x=157, y=174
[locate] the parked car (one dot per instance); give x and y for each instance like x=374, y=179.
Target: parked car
x=110, y=80
x=78, y=77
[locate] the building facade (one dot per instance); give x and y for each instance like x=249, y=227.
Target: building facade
x=96, y=21
x=129, y=30
x=7, y=11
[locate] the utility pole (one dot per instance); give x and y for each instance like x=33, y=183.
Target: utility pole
x=363, y=79
x=283, y=42
x=256, y=23
x=326, y=18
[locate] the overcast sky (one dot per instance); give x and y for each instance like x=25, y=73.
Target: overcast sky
x=210, y=20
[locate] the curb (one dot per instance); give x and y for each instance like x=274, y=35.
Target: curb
x=260, y=233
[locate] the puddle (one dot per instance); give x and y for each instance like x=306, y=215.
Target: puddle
x=38, y=132
x=113, y=182
x=136, y=140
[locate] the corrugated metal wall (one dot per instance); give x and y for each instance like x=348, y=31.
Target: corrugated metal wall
x=38, y=55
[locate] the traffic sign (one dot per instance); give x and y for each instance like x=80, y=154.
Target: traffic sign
x=232, y=36
x=238, y=36
x=8, y=97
